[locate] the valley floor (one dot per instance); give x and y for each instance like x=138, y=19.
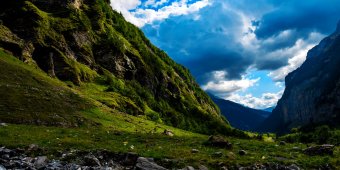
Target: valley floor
x=149, y=141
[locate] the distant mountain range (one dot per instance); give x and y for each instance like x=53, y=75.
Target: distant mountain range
x=269, y=109
x=239, y=116
x=312, y=94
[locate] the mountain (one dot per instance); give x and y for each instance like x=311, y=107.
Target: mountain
x=81, y=54
x=312, y=91
x=239, y=116
x=269, y=109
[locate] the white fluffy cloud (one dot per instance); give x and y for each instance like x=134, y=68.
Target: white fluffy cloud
x=265, y=101
x=297, y=54
x=220, y=84
x=142, y=16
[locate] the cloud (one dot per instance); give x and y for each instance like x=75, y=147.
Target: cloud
x=211, y=37
x=298, y=54
x=142, y=16
x=220, y=84
x=154, y=3
x=265, y=101
x=303, y=16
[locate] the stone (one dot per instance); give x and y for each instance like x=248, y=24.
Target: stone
x=130, y=159
x=295, y=148
x=282, y=143
x=33, y=147
x=40, y=162
x=202, y=167
x=3, y=124
x=188, y=168
x=54, y=165
x=145, y=164
x=194, y=151
x=293, y=167
x=168, y=132
x=325, y=149
x=242, y=152
x=91, y=160
x=219, y=141
x=2, y=168
x=218, y=154
x=231, y=155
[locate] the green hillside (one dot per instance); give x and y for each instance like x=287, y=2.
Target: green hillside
x=93, y=49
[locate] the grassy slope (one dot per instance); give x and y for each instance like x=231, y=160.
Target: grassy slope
x=116, y=131
x=101, y=40
x=28, y=95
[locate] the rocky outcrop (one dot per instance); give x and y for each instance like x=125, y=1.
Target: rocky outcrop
x=80, y=41
x=312, y=94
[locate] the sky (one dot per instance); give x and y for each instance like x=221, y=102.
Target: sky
x=239, y=50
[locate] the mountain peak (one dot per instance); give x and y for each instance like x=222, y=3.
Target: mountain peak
x=338, y=27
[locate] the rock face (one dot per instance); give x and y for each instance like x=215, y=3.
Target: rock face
x=79, y=41
x=312, y=94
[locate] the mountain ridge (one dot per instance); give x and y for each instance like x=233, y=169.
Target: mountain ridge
x=240, y=116
x=91, y=48
x=312, y=91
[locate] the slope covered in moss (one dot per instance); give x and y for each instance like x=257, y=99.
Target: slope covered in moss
x=94, y=50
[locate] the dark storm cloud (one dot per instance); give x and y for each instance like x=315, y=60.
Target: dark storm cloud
x=209, y=40
x=302, y=16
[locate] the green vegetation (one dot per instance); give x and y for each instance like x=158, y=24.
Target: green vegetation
x=94, y=50
x=314, y=134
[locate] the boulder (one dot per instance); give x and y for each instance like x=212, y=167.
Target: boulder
x=282, y=143
x=194, y=150
x=242, y=152
x=168, y=132
x=293, y=167
x=130, y=159
x=202, y=167
x=40, y=162
x=218, y=154
x=325, y=149
x=91, y=160
x=219, y=141
x=146, y=164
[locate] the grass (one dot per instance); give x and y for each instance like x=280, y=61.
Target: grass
x=131, y=134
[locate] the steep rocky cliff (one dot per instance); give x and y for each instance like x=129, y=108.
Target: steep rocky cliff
x=85, y=43
x=312, y=94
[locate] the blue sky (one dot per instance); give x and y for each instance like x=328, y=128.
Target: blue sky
x=239, y=50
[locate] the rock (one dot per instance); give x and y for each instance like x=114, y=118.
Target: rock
x=168, y=132
x=319, y=150
x=224, y=168
x=33, y=147
x=2, y=168
x=218, y=154
x=194, y=151
x=145, y=164
x=242, y=152
x=40, y=162
x=231, y=155
x=54, y=165
x=91, y=160
x=130, y=159
x=296, y=148
x=219, y=141
x=202, y=167
x=3, y=124
x=282, y=143
x=293, y=167
x=188, y=168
